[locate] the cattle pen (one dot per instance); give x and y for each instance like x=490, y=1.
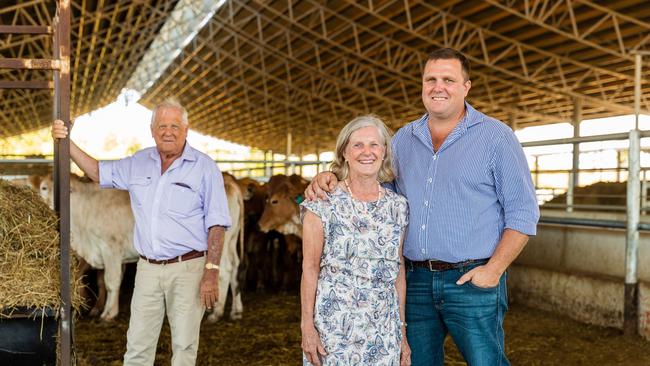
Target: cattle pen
x=282, y=77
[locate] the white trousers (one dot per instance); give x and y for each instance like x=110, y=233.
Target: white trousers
x=171, y=289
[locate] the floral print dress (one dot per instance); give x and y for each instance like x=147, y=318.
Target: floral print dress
x=357, y=310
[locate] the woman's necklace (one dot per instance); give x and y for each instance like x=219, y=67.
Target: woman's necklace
x=365, y=208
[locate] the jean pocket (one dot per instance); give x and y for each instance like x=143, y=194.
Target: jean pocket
x=484, y=289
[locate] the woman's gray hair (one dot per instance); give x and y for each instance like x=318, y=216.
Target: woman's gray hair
x=170, y=103
x=340, y=167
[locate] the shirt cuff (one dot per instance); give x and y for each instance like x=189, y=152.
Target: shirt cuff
x=526, y=228
x=106, y=174
x=217, y=219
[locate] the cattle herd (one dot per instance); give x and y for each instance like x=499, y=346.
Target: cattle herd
x=262, y=250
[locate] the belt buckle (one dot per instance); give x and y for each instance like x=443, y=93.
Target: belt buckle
x=430, y=266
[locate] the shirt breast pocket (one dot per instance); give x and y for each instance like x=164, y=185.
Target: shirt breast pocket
x=138, y=189
x=184, y=200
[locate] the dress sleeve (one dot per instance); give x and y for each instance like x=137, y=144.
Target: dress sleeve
x=317, y=207
x=402, y=210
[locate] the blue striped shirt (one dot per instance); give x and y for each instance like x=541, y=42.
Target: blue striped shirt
x=463, y=196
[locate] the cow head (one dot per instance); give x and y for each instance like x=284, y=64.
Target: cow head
x=281, y=212
x=249, y=187
x=45, y=186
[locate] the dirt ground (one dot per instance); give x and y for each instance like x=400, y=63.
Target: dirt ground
x=269, y=334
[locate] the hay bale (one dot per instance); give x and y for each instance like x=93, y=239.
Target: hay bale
x=29, y=252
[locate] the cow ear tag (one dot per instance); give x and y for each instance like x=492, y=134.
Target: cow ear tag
x=299, y=199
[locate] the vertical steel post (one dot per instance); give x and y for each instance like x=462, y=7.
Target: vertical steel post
x=269, y=173
x=630, y=311
x=637, y=89
x=575, y=166
x=265, y=165
x=287, y=165
x=644, y=191
x=619, y=160
x=61, y=110
x=317, y=158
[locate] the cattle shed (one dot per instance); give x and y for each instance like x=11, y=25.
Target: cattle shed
x=257, y=70
x=285, y=76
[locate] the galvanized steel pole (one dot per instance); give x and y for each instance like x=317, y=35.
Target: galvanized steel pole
x=286, y=167
x=573, y=176
x=637, y=89
x=630, y=311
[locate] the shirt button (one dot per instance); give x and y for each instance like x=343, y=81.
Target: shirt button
x=423, y=226
x=435, y=157
x=430, y=180
x=423, y=251
x=426, y=203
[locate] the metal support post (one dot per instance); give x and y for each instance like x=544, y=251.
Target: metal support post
x=619, y=161
x=269, y=172
x=644, y=192
x=286, y=167
x=62, y=171
x=300, y=156
x=60, y=64
x=575, y=166
x=637, y=89
x=630, y=310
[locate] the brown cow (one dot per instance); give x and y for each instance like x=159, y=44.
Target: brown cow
x=282, y=214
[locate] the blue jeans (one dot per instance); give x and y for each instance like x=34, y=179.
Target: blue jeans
x=473, y=317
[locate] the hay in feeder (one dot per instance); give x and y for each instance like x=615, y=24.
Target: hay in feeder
x=29, y=252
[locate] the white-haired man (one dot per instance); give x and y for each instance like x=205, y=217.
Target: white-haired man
x=179, y=203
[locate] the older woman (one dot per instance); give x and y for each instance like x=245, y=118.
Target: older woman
x=353, y=282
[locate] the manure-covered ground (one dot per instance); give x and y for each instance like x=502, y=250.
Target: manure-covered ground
x=269, y=334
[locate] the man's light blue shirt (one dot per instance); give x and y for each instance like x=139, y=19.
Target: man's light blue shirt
x=173, y=211
x=463, y=196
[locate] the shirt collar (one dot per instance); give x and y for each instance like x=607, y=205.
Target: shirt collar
x=420, y=128
x=471, y=117
x=188, y=153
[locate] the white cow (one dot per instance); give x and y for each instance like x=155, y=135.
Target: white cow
x=229, y=257
x=101, y=231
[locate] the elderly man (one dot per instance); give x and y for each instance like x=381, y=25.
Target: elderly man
x=472, y=206
x=180, y=209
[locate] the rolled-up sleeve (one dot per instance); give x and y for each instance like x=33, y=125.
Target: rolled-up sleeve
x=215, y=207
x=115, y=173
x=514, y=186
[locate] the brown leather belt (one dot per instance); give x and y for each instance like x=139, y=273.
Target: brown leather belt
x=187, y=256
x=433, y=265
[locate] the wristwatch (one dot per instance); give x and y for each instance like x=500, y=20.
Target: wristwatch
x=210, y=265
